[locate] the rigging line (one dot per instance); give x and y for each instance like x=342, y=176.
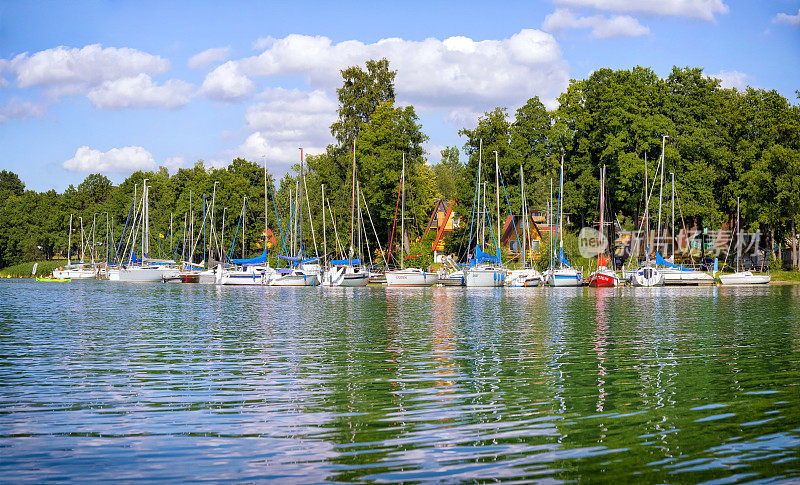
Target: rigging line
x=377, y=239
x=509, y=207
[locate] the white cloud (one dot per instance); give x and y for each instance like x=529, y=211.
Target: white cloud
x=284, y=120
x=209, y=56
x=262, y=43
x=602, y=27
x=141, y=92
x=227, y=83
x=65, y=71
x=19, y=109
x=174, y=163
x=302, y=118
x=785, y=18
x=701, y=9
x=454, y=73
x=116, y=160
x=280, y=155
x=731, y=79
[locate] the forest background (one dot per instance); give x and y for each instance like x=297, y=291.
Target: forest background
x=722, y=144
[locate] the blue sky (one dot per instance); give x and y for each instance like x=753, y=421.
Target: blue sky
x=113, y=87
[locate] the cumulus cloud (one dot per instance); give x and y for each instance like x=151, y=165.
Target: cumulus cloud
x=227, y=83
x=19, y=109
x=174, y=163
x=785, y=18
x=141, y=92
x=279, y=155
x=602, y=27
x=116, y=160
x=293, y=115
x=284, y=120
x=209, y=56
x=700, y=9
x=731, y=79
x=453, y=73
x=66, y=71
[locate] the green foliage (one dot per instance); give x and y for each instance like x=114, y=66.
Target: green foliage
x=722, y=144
x=360, y=95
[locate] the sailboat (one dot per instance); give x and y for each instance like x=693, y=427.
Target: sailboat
x=347, y=272
x=303, y=272
x=603, y=276
x=526, y=276
x=646, y=275
x=254, y=271
x=485, y=270
x=676, y=274
x=145, y=269
x=408, y=276
x=742, y=277
x=565, y=274
x=77, y=271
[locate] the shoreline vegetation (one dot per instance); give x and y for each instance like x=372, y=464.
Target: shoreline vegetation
x=720, y=144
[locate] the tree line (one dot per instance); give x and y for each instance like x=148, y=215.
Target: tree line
x=722, y=144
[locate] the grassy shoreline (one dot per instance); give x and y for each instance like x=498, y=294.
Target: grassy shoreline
x=25, y=270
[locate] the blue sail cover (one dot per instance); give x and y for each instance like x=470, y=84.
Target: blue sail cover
x=562, y=258
x=345, y=262
x=289, y=258
x=663, y=262
x=309, y=260
x=481, y=257
x=252, y=261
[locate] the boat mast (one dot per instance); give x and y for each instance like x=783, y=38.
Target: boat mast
x=94, y=221
x=82, y=238
x=108, y=250
x=524, y=217
x=481, y=208
x=300, y=208
x=738, y=233
x=358, y=225
x=353, y=198
x=324, y=231
x=266, y=212
x=211, y=219
x=646, y=213
x=551, y=242
x=403, y=211
x=561, y=212
x=661, y=184
x=497, y=187
x=674, y=239
x=602, y=203
x=69, y=243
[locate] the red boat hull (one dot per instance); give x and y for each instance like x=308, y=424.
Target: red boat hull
x=602, y=280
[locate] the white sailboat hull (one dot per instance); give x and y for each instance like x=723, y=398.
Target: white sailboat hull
x=247, y=276
x=485, y=277
x=744, y=278
x=411, y=277
x=685, y=278
x=295, y=278
x=523, y=278
x=75, y=273
x=563, y=277
x=142, y=274
x=345, y=276
x=647, y=277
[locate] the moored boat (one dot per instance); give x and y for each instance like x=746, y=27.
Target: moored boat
x=411, y=277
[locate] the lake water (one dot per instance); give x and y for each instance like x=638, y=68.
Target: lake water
x=159, y=382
